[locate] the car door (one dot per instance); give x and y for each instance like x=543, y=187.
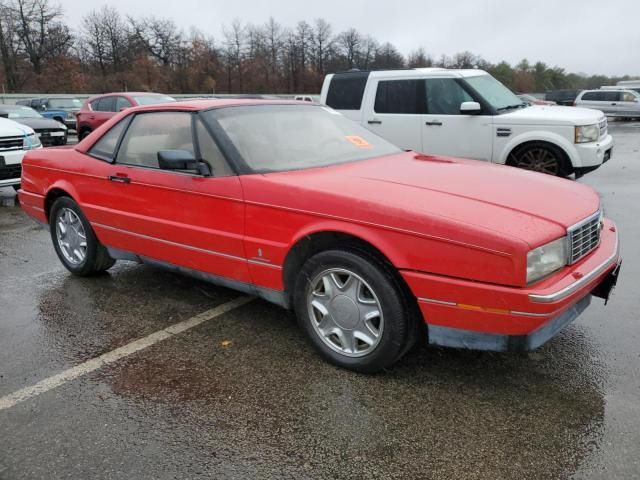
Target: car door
x=609, y=103
x=102, y=110
x=393, y=111
x=629, y=104
x=445, y=131
x=176, y=218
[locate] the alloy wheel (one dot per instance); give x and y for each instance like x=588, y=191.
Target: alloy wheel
x=72, y=238
x=538, y=160
x=345, y=312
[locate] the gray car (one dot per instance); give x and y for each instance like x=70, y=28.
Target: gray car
x=613, y=103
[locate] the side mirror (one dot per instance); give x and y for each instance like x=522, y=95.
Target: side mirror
x=182, y=160
x=43, y=107
x=470, y=107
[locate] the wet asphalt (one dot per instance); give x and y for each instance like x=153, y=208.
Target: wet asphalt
x=244, y=396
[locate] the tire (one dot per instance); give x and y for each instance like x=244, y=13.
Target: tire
x=16, y=187
x=80, y=260
x=540, y=157
x=335, y=291
x=83, y=133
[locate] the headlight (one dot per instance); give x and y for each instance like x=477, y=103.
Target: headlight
x=546, y=259
x=587, y=133
x=62, y=125
x=70, y=115
x=30, y=141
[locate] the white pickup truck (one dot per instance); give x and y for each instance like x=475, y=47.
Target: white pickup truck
x=470, y=114
x=15, y=139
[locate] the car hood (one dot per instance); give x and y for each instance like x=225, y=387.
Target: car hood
x=551, y=115
x=10, y=128
x=425, y=194
x=40, y=123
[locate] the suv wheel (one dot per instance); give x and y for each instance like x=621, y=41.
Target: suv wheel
x=83, y=133
x=75, y=242
x=353, y=311
x=540, y=157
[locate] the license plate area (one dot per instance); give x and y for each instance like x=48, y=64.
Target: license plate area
x=604, y=289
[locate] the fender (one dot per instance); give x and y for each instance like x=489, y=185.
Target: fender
x=540, y=136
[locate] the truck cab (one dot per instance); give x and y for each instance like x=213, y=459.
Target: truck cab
x=470, y=114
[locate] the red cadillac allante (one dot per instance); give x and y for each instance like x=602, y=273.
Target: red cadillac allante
x=298, y=205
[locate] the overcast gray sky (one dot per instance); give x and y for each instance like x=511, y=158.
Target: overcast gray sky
x=580, y=35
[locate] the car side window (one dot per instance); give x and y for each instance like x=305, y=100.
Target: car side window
x=151, y=132
x=444, y=96
x=628, y=97
x=105, y=148
x=611, y=96
x=590, y=96
x=121, y=103
x=398, y=96
x=210, y=152
x=106, y=104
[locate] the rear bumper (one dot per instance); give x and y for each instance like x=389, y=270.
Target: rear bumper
x=465, y=314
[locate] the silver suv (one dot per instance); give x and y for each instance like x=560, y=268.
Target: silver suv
x=613, y=103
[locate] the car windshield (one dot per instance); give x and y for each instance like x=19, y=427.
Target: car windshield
x=22, y=112
x=152, y=99
x=64, y=103
x=276, y=138
x=494, y=92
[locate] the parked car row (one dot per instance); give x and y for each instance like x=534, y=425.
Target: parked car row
x=61, y=109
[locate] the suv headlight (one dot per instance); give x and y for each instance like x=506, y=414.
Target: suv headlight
x=546, y=259
x=30, y=141
x=587, y=133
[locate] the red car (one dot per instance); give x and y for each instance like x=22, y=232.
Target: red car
x=98, y=109
x=297, y=204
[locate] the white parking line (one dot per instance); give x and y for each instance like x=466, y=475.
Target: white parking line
x=50, y=383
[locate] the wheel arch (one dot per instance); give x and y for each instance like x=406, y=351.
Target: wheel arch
x=311, y=243
x=57, y=191
x=549, y=138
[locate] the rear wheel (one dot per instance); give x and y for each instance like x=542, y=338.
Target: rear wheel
x=353, y=310
x=74, y=240
x=540, y=157
x=83, y=133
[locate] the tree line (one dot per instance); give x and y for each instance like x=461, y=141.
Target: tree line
x=40, y=52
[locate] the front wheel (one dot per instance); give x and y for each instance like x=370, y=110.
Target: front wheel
x=75, y=242
x=353, y=310
x=541, y=158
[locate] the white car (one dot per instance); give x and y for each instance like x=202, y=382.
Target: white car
x=470, y=114
x=613, y=103
x=15, y=139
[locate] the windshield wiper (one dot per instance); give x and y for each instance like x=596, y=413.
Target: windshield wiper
x=512, y=107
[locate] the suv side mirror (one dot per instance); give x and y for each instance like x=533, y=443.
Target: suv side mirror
x=470, y=107
x=182, y=160
x=43, y=107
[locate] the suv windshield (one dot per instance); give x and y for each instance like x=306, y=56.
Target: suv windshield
x=495, y=93
x=152, y=99
x=276, y=138
x=64, y=103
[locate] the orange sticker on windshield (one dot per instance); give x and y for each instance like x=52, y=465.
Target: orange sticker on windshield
x=358, y=141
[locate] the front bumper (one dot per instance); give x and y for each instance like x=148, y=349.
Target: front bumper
x=10, y=167
x=594, y=154
x=465, y=314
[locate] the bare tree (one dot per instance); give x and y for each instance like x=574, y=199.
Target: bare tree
x=350, y=43
x=160, y=38
x=235, y=44
x=9, y=46
x=40, y=30
x=321, y=44
x=419, y=59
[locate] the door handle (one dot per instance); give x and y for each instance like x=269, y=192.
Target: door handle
x=374, y=122
x=614, y=104
x=435, y=122
x=119, y=178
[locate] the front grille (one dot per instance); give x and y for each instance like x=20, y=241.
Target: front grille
x=584, y=237
x=8, y=172
x=603, y=127
x=11, y=143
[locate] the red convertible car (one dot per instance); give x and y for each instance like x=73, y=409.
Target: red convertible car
x=298, y=205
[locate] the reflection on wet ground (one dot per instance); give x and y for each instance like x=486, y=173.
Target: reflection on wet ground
x=244, y=395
